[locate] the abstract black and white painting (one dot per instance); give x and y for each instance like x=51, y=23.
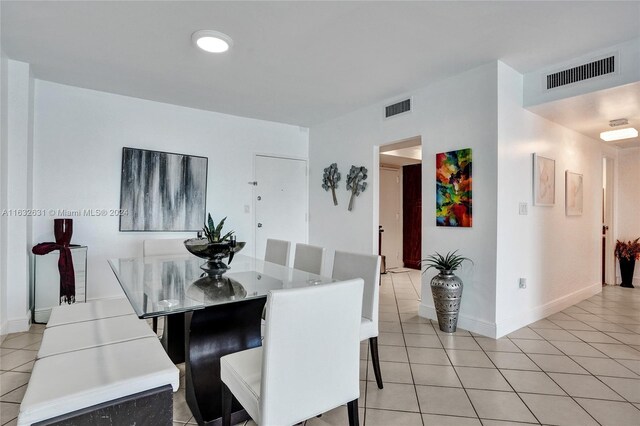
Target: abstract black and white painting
x=162, y=191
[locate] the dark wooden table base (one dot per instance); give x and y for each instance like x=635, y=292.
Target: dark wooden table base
x=210, y=334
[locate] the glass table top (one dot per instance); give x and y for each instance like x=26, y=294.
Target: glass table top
x=162, y=285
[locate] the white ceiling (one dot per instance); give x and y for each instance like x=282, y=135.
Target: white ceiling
x=590, y=114
x=297, y=62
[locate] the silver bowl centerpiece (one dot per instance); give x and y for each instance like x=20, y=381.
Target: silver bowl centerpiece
x=214, y=253
x=215, y=247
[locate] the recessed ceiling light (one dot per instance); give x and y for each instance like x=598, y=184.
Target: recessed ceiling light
x=614, y=135
x=212, y=41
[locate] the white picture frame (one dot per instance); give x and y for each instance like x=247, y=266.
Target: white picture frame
x=544, y=181
x=573, y=193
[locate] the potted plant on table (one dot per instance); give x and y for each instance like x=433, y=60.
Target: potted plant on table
x=627, y=253
x=446, y=288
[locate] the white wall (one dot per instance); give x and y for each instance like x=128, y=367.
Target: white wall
x=559, y=255
x=19, y=167
x=628, y=205
x=4, y=88
x=481, y=109
x=79, y=135
x=459, y=112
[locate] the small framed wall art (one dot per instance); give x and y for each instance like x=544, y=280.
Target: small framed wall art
x=544, y=181
x=573, y=193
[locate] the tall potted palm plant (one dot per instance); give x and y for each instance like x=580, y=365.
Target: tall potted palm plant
x=446, y=288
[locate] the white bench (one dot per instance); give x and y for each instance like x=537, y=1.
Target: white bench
x=89, y=334
x=99, y=309
x=110, y=369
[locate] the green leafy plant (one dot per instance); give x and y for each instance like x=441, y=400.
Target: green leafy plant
x=629, y=250
x=213, y=232
x=450, y=262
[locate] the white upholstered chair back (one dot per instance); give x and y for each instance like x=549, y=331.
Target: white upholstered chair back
x=353, y=265
x=277, y=252
x=310, y=365
x=309, y=258
x=164, y=247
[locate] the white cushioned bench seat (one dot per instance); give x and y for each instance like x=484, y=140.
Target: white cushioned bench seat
x=67, y=382
x=90, y=334
x=98, y=309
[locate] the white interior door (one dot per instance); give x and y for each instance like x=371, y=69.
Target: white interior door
x=390, y=216
x=280, y=201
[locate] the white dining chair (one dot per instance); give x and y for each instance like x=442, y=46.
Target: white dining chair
x=305, y=367
x=162, y=247
x=309, y=258
x=277, y=252
x=352, y=265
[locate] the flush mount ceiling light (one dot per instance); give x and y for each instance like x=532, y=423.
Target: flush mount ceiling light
x=212, y=41
x=614, y=135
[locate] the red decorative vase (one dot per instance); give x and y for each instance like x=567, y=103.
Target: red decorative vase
x=63, y=230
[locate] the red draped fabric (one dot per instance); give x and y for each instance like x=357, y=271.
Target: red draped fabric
x=65, y=266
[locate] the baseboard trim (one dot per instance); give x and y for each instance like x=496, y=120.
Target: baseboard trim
x=537, y=313
x=17, y=325
x=465, y=322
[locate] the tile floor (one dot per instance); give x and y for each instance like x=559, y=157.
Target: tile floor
x=580, y=366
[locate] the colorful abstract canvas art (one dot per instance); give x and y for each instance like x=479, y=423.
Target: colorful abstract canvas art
x=453, y=188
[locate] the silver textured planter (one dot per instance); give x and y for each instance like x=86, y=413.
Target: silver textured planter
x=446, y=289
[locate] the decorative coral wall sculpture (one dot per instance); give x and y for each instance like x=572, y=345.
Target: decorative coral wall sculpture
x=355, y=182
x=330, y=180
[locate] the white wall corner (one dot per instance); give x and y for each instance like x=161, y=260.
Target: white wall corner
x=465, y=322
x=526, y=317
x=19, y=191
x=17, y=325
x=4, y=83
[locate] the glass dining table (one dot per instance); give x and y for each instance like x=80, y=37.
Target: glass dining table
x=205, y=322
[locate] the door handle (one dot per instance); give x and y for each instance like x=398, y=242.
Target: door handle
x=259, y=225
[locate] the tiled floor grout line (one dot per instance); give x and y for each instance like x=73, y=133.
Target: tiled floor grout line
x=406, y=349
x=505, y=379
x=457, y=374
x=558, y=384
x=593, y=375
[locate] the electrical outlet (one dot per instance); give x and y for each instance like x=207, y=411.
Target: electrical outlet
x=522, y=210
x=522, y=283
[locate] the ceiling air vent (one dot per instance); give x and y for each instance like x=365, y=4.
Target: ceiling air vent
x=581, y=72
x=397, y=108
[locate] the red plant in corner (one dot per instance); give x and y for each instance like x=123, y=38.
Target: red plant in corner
x=629, y=250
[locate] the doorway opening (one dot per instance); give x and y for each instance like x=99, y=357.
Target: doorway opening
x=400, y=205
x=608, y=259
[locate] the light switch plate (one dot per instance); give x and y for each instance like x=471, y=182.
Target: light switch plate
x=523, y=209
